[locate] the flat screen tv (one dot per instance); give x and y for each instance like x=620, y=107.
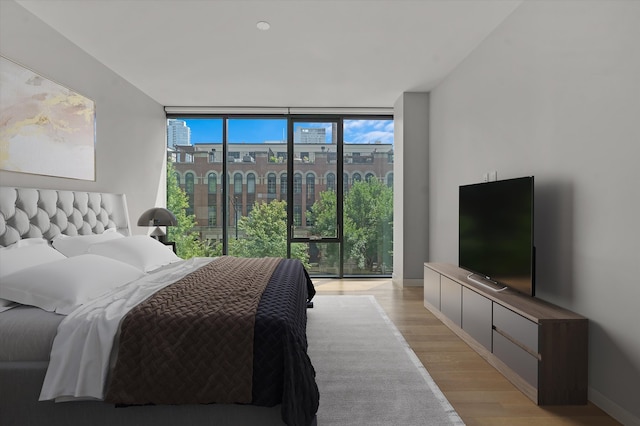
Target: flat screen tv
x=496, y=233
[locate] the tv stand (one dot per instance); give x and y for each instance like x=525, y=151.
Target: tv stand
x=486, y=283
x=539, y=347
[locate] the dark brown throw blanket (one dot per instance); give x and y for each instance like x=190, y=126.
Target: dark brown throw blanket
x=192, y=342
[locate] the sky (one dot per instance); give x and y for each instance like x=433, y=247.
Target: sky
x=242, y=130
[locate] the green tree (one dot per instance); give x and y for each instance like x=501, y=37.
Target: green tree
x=188, y=243
x=323, y=215
x=368, y=210
x=368, y=221
x=264, y=233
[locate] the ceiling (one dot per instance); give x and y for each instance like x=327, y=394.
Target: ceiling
x=349, y=53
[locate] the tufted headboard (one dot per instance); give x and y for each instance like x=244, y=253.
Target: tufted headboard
x=32, y=213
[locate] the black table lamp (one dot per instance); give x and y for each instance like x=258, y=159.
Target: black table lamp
x=158, y=217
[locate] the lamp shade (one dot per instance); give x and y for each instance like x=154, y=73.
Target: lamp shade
x=157, y=216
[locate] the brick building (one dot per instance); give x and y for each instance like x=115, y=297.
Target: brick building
x=258, y=172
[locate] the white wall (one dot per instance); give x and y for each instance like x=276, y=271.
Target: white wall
x=554, y=92
x=130, y=127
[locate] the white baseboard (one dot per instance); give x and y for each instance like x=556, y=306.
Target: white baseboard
x=613, y=409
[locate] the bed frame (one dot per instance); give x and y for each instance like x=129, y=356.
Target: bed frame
x=33, y=213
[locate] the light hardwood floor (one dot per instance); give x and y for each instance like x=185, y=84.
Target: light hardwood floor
x=479, y=394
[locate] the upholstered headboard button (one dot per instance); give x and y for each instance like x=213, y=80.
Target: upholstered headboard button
x=31, y=213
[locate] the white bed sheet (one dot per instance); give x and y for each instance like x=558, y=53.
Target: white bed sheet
x=81, y=353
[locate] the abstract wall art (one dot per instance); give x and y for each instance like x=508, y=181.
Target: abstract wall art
x=45, y=128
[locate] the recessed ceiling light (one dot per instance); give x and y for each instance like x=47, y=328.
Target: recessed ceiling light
x=263, y=25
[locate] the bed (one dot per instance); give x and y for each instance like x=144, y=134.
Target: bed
x=148, y=338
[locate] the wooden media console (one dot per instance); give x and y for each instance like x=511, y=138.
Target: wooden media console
x=540, y=347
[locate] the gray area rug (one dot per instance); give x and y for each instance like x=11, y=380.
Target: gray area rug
x=366, y=372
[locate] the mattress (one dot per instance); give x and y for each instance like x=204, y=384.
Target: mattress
x=27, y=333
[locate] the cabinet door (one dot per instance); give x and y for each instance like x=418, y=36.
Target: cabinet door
x=476, y=317
x=451, y=300
x=432, y=288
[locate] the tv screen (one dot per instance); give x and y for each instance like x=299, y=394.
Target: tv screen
x=496, y=232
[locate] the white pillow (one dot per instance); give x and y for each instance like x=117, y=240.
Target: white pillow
x=77, y=245
x=25, y=254
x=63, y=285
x=145, y=253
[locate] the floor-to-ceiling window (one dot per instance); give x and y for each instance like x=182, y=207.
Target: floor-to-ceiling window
x=315, y=188
x=368, y=203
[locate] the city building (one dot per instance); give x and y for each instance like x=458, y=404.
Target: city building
x=178, y=133
x=258, y=172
